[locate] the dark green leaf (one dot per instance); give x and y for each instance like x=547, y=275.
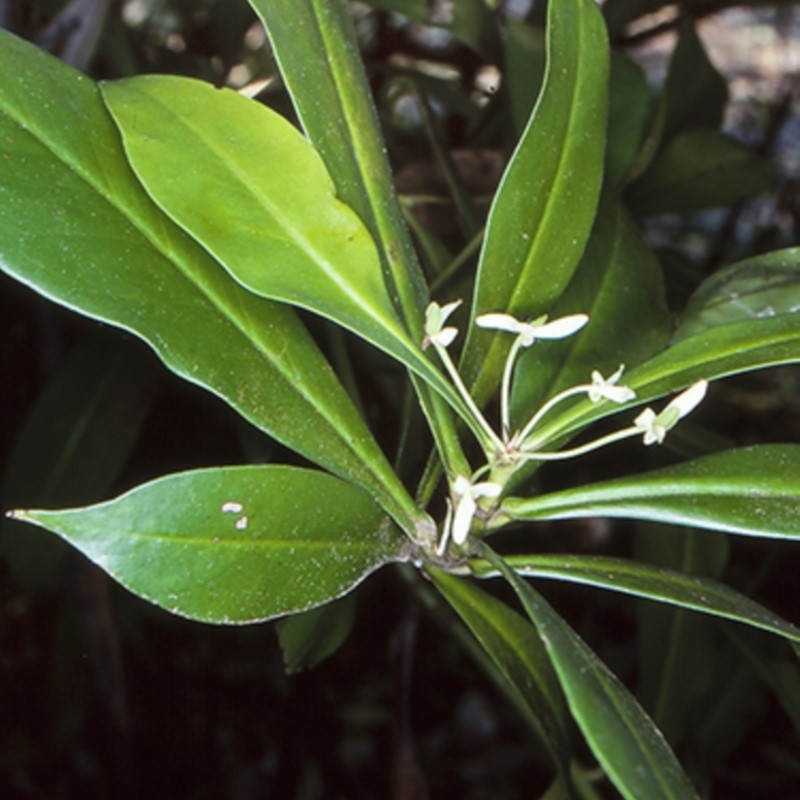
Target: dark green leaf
x=628, y=112
x=311, y=636
x=700, y=169
x=653, y=583
x=629, y=747
x=678, y=651
x=518, y=654
x=695, y=93
x=76, y=225
x=544, y=209
x=764, y=286
x=525, y=64
x=752, y=491
x=73, y=444
x=234, y=544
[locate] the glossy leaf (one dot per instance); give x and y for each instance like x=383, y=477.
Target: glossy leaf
x=317, y=50
x=619, y=285
x=234, y=544
x=287, y=240
x=764, y=286
x=700, y=169
x=310, y=637
x=629, y=747
x=713, y=354
x=752, y=491
x=94, y=242
x=517, y=653
x=652, y=583
x=543, y=211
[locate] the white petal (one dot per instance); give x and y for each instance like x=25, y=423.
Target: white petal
x=647, y=424
x=486, y=490
x=499, y=322
x=445, y=336
x=449, y=308
x=561, y=328
x=690, y=399
x=462, y=521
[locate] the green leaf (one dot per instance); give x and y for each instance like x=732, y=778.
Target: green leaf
x=619, y=285
x=628, y=112
x=312, y=636
x=317, y=50
x=678, y=651
x=234, y=544
x=629, y=747
x=544, y=209
x=73, y=444
x=752, y=491
x=695, y=93
x=520, y=658
x=652, y=583
x=525, y=65
x=713, y=354
x=700, y=169
x=76, y=225
x=287, y=240
x=764, y=286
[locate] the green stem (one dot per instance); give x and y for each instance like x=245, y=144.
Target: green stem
x=534, y=420
x=559, y=455
x=489, y=440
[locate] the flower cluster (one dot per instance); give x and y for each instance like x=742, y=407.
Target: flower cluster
x=511, y=448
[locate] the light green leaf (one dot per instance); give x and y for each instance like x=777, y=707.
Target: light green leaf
x=312, y=636
x=700, y=169
x=652, y=583
x=269, y=211
x=317, y=50
x=764, y=286
x=543, y=211
x=629, y=747
x=713, y=354
x=76, y=225
x=234, y=544
x=520, y=658
x=752, y=491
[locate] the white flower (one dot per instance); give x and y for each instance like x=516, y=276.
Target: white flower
x=655, y=426
x=466, y=495
x=435, y=318
x=529, y=332
x=606, y=388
